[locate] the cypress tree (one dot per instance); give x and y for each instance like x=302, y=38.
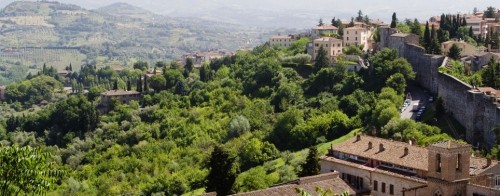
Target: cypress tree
x=129, y=86
x=321, y=59
x=115, y=85
x=471, y=32
x=221, y=176
x=146, y=86
x=311, y=166
x=427, y=36
x=394, y=21
x=139, y=84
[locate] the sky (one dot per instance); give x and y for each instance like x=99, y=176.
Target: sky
x=288, y=11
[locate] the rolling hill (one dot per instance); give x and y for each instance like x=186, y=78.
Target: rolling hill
x=119, y=34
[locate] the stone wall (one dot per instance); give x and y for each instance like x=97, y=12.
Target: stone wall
x=481, y=190
x=472, y=109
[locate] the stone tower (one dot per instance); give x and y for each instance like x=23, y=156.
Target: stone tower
x=448, y=172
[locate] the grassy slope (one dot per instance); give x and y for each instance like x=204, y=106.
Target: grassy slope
x=298, y=157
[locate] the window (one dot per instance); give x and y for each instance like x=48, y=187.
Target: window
x=317, y=44
x=347, y=38
x=497, y=180
x=391, y=189
x=438, y=163
x=438, y=193
x=356, y=38
x=458, y=162
x=338, y=45
x=375, y=185
x=383, y=187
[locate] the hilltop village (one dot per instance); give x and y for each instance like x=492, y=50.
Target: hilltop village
x=346, y=107
x=366, y=165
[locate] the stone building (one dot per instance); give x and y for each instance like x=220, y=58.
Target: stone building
x=466, y=49
x=325, y=181
x=384, y=167
x=358, y=36
x=121, y=96
x=326, y=30
x=204, y=57
x=281, y=40
x=332, y=46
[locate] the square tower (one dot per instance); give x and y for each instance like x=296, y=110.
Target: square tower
x=448, y=172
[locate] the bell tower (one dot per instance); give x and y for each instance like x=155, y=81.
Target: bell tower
x=448, y=168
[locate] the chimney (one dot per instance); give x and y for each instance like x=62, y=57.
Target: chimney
x=381, y=148
x=358, y=138
x=406, y=151
x=370, y=146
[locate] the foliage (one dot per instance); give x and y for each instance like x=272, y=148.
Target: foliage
x=26, y=170
x=491, y=75
x=454, y=52
x=32, y=91
x=321, y=60
x=311, y=166
x=222, y=175
x=352, y=50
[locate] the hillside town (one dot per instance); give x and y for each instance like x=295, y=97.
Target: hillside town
x=366, y=165
x=345, y=107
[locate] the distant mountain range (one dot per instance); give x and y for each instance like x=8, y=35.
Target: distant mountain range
x=116, y=34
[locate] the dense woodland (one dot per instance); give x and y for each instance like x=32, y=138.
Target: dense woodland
x=253, y=107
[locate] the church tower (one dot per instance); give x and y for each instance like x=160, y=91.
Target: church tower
x=448, y=168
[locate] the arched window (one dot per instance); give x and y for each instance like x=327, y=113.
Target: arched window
x=438, y=193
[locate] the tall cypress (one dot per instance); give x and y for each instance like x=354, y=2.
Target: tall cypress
x=394, y=21
x=427, y=35
x=139, y=84
x=221, y=176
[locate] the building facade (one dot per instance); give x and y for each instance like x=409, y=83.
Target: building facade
x=386, y=167
x=326, y=30
x=332, y=46
x=357, y=36
x=281, y=40
x=121, y=96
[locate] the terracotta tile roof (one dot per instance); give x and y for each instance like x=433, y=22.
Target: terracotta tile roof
x=355, y=28
x=309, y=184
x=281, y=37
x=393, y=151
x=325, y=27
x=450, y=144
x=119, y=92
x=371, y=169
x=324, y=39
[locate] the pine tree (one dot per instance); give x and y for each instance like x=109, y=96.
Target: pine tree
x=320, y=23
x=334, y=22
x=455, y=52
x=321, y=59
x=394, y=21
x=360, y=16
x=221, y=176
x=311, y=166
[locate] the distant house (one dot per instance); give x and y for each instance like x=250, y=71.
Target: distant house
x=357, y=36
x=281, y=40
x=332, y=46
x=326, y=30
x=466, y=48
x=201, y=57
x=121, y=96
x=479, y=26
x=2, y=92
x=309, y=184
x=387, y=167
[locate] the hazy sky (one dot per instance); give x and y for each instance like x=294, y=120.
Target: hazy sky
x=313, y=9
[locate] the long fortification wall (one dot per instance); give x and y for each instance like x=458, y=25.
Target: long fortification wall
x=474, y=110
